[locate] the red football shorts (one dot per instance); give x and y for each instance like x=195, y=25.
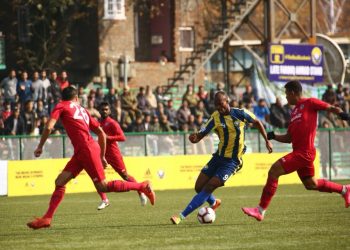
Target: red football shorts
x=87, y=158
x=301, y=162
x=116, y=161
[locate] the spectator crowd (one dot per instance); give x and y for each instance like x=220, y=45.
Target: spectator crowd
x=26, y=102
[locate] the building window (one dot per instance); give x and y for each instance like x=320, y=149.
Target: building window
x=114, y=9
x=186, y=39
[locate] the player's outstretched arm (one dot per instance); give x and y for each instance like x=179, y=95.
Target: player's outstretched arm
x=257, y=124
x=280, y=138
x=46, y=132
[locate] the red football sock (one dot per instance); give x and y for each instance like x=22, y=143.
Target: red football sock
x=268, y=192
x=56, y=198
x=328, y=186
x=132, y=179
x=123, y=186
x=103, y=196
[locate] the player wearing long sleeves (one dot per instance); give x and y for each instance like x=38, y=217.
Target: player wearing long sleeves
x=229, y=124
x=301, y=133
x=113, y=155
x=88, y=154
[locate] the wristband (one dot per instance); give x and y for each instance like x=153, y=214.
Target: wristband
x=271, y=135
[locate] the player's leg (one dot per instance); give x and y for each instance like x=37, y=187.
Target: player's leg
x=203, y=179
x=56, y=198
x=323, y=185
x=268, y=192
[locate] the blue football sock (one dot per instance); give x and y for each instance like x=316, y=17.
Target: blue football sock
x=195, y=203
x=211, y=199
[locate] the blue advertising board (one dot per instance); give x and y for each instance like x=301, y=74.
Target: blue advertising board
x=302, y=62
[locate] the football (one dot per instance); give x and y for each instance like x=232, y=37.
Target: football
x=206, y=215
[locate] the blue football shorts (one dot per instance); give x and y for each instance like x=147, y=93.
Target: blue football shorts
x=222, y=167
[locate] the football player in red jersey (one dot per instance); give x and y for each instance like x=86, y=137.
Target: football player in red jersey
x=113, y=155
x=301, y=133
x=88, y=154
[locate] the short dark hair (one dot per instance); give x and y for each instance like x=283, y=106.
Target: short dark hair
x=103, y=104
x=69, y=93
x=294, y=86
x=219, y=95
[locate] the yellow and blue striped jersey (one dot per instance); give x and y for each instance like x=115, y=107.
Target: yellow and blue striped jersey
x=230, y=130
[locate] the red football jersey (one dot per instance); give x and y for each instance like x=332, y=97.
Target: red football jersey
x=77, y=122
x=114, y=133
x=303, y=123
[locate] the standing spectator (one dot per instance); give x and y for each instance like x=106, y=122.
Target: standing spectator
x=90, y=107
x=142, y=103
x=46, y=85
x=340, y=95
x=190, y=97
x=99, y=97
x=233, y=93
x=182, y=115
x=63, y=80
x=24, y=88
x=29, y=117
x=83, y=99
x=200, y=109
x=160, y=95
x=37, y=87
x=171, y=113
x=278, y=114
x=111, y=96
x=147, y=122
x=54, y=91
x=8, y=87
x=14, y=124
x=262, y=112
x=346, y=100
x=329, y=95
x=151, y=98
x=248, y=95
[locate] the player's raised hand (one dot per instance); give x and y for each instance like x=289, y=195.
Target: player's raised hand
x=38, y=151
x=269, y=146
x=193, y=137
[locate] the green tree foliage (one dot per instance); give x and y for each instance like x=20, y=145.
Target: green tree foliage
x=46, y=26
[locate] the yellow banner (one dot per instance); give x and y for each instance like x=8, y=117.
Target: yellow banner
x=36, y=177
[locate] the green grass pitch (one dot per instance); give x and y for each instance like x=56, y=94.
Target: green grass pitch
x=297, y=219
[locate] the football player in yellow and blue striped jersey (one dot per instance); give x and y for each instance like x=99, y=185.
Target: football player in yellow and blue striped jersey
x=229, y=124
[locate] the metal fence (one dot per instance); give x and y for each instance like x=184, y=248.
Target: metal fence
x=333, y=145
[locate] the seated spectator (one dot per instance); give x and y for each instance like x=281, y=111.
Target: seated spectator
x=155, y=126
x=138, y=125
x=147, y=122
x=202, y=94
x=278, y=114
x=234, y=104
x=14, y=124
x=129, y=102
x=262, y=112
x=191, y=125
x=340, y=96
x=41, y=110
x=164, y=124
x=29, y=117
x=160, y=95
x=160, y=110
x=7, y=111
x=346, y=100
x=43, y=121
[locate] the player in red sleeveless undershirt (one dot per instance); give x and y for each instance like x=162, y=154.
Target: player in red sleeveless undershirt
x=88, y=154
x=301, y=133
x=114, y=157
